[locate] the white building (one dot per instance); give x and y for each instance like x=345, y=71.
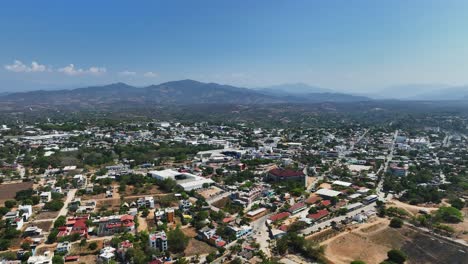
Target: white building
x=158, y=240
x=45, y=197
x=41, y=259
x=185, y=180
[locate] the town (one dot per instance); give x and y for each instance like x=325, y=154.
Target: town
x=200, y=192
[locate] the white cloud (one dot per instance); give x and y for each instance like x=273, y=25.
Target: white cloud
x=151, y=74
x=19, y=66
x=72, y=71
x=127, y=73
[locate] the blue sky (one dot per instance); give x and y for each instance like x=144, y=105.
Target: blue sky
x=344, y=45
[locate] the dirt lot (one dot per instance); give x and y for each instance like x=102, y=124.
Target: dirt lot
x=77, y=250
x=8, y=191
x=46, y=215
x=372, y=242
x=89, y=259
x=209, y=192
x=412, y=209
x=190, y=231
x=198, y=247
x=44, y=225
x=461, y=229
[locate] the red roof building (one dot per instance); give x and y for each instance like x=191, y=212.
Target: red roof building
x=280, y=216
x=319, y=215
x=279, y=174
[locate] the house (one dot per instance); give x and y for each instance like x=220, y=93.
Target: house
x=63, y=247
x=80, y=181
x=147, y=202
x=114, y=224
x=296, y=208
x=27, y=211
x=158, y=241
x=209, y=235
x=248, y=197
x=41, y=259
x=313, y=199
x=32, y=231
x=280, y=174
x=45, y=197
x=107, y=254
x=327, y=193
x=319, y=215
x=123, y=247
x=240, y=231
x=185, y=205
x=279, y=216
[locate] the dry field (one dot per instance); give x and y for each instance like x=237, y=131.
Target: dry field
x=371, y=243
x=198, y=247
x=209, y=192
x=46, y=215
x=8, y=191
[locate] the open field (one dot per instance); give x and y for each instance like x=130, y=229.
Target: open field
x=209, y=192
x=198, y=247
x=372, y=242
x=8, y=191
x=46, y=215
x=89, y=259
x=44, y=225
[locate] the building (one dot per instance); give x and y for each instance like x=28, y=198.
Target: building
x=107, y=254
x=256, y=213
x=296, y=208
x=240, y=231
x=27, y=211
x=158, y=241
x=248, y=197
x=280, y=174
x=327, y=193
x=319, y=215
x=370, y=199
x=147, y=202
x=41, y=259
x=170, y=215
x=45, y=197
x=32, y=231
x=209, y=235
x=279, y=216
x=185, y=180
x=63, y=247
x=114, y=224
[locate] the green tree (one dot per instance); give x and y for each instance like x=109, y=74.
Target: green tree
x=10, y=203
x=396, y=222
x=61, y=221
x=57, y=259
x=397, y=256
x=93, y=246
x=177, y=240
x=449, y=214
x=357, y=262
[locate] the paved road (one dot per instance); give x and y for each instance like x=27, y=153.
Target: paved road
x=261, y=234
x=387, y=162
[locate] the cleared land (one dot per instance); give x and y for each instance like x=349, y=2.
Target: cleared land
x=198, y=247
x=8, y=191
x=372, y=242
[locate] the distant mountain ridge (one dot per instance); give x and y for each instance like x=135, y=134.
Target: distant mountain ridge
x=175, y=92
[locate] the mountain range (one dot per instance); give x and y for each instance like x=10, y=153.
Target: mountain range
x=175, y=92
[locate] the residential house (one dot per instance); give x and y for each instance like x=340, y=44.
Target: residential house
x=158, y=241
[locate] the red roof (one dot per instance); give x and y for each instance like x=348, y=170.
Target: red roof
x=326, y=202
x=283, y=228
x=320, y=214
x=228, y=219
x=126, y=217
x=72, y=258
x=296, y=206
x=280, y=216
x=285, y=173
x=313, y=199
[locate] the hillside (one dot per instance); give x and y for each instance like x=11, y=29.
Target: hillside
x=176, y=92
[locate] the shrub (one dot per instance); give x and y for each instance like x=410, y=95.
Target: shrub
x=396, y=222
x=397, y=256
